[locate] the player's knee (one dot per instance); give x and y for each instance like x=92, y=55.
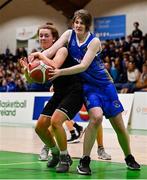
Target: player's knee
x=96, y=122
x=55, y=124
x=37, y=130
x=96, y=119
x=40, y=128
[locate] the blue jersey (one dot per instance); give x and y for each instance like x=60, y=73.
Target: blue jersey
x=96, y=72
x=98, y=87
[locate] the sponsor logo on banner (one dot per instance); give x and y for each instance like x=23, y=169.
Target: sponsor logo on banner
x=142, y=110
x=39, y=103
x=110, y=27
x=139, y=111
x=9, y=108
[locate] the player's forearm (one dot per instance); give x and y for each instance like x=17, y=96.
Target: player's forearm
x=49, y=53
x=73, y=70
x=48, y=61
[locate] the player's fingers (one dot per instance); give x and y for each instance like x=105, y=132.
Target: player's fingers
x=51, y=78
x=21, y=61
x=50, y=70
x=25, y=60
x=31, y=58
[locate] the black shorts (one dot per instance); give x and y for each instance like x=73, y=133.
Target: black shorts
x=68, y=101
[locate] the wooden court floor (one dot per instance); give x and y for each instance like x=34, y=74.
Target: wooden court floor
x=20, y=146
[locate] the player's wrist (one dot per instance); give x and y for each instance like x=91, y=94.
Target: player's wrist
x=45, y=53
x=61, y=72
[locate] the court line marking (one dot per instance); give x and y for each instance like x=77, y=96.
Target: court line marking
x=9, y=164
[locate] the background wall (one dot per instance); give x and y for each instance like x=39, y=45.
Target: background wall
x=26, y=13
x=22, y=108
x=135, y=10
x=35, y=12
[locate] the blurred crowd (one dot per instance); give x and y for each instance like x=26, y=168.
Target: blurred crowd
x=11, y=73
x=124, y=58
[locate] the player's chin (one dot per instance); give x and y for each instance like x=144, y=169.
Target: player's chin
x=79, y=31
x=44, y=46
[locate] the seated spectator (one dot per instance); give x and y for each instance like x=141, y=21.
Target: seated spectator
x=129, y=40
x=145, y=41
x=117, y=43
x=11, y=86
x=141, y=84
x=116, y=69
x=20, y=85
x=125, y=45
x=21, y=52
x=3, y=85
x=112, y=49
x=133, y=75
x=140, y=57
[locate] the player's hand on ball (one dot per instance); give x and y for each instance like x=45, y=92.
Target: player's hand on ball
x=39, y=71
x=54, y=73
x=24, y=62
x=36, y=55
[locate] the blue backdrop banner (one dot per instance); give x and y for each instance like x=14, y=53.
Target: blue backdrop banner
x=110, y=27
x=40, y=102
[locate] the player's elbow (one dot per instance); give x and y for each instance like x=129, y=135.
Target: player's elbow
x=84, y=67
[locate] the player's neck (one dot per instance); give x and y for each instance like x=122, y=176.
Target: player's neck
x=82, y=37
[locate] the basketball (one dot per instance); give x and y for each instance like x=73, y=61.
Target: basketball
x=39, y=71
x=84, y=114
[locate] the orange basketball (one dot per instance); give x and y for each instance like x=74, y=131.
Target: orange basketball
x=39, y=71
x=84, y=114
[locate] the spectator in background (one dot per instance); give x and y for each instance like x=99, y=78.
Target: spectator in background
x=145, y=41
x=116, y=69
x=21, y=52
x=140, y=56
x=133, y=75
x=125, y=45
x=113, y=71
x=8, y=53
x=141, y=84
x=3, y=85
x=105, y=50
x=136, y=34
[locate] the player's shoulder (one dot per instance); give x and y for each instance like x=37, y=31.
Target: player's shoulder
x=63, y=50
x=68, y=32
x=95, y=41
x=93, y=37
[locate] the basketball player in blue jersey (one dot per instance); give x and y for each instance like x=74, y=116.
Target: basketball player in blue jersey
x=99, y=91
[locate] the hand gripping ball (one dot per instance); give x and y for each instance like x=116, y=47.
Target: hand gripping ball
x=39, y=71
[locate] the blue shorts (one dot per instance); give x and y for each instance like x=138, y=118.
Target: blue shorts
x=105, y=97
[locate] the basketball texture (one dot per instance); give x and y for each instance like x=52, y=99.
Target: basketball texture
x=39, y=71
x=84, y=114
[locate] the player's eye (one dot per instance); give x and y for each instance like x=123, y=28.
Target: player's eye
x=43, y=35
x=46, y=35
